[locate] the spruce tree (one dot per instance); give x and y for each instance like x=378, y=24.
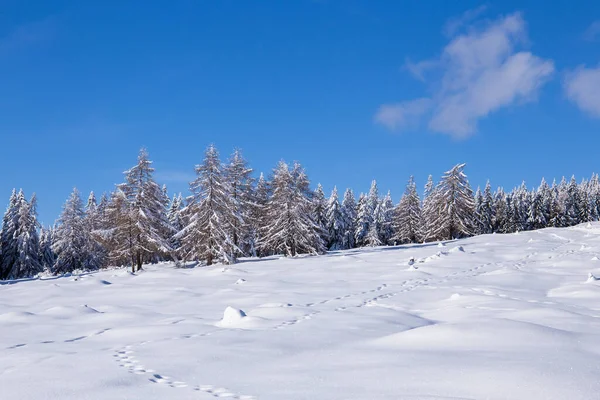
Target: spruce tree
x=349, y=219
x=258, y=217
x=72, y=238
x=319, y=212
x=457, y=205
x=47, y=256
x=208, y=235
x=138, y=217
x=408, y=220
x=239, y=181
x=363, y=221
x=335, y=222
x=291, y=229
x=430, y=211
x=10, y=225
x=386, y=219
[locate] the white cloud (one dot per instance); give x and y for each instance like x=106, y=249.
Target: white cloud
x=592, y=33
x=402, y=115
x=582, y=87
x=481, y=72
x=418, y=69
x=455, y=24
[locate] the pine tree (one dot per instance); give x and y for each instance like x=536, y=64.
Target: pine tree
x=319, y=212
x=374, y=212
x=408, y=220
x=477, y=217
x=363, y=221
x=430, y=210
x=175, y=220
x=240, y=184
x=349, y=219
x=210, y=214
x=456, y=216
x=93, y=219
x=47, y=256
x=21, y=251
x=538, y=211
x=335, y=222
x=258, y=217
x=386, y=219
x=8, y=235
x=501, y=211
x=138, y=217
x=572, y=202
x=72, y=239
x=291, y=229
x=487, y=210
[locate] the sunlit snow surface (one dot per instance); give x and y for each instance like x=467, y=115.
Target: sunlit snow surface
x=506, y=317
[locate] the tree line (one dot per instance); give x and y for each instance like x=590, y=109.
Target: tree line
x=230, y=214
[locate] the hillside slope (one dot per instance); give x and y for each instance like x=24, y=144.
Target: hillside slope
x=492, y=317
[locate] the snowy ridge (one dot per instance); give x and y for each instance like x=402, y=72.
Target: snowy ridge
x=496, y=316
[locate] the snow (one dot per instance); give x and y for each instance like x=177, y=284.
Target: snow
x=494, y=317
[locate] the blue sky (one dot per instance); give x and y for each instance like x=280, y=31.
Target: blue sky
x=354, y=90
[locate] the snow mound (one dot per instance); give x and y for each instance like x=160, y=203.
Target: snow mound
x=455, y=296
x=16, y=316
x=594, y=258
x=457, y=249
x=69, y=312
x=592, y=278
x=411, y=261
x=589, y=225
x=240, y=281
x=232, y=317
x=440, y=244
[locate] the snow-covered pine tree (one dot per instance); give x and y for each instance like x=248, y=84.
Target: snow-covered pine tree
x=8, y=235
x=363, y=221
x=478, y=216
x=258, y=218
x=487, y=210
x=47, y=256
x=291, y=229
x=319, y=211
x=594, y=197
x=349, y=219
x=94, y=216
x=585, y=211
x=72, y=238
x=430, y=210
x=138, y=210
x=386, y=219
x=520, y=203
x=557, y=217
x=374, y=209
x=175, y=220
x=239, y=179
x=572, y=202
x=27, y=263
x=408, y=219
x=456, y=216
x=372, y=239
x=207, y=237
x=335, y=222
x=500, y=210
x=538, y=212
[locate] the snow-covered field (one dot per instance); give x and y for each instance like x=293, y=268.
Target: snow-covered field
x=492, y=317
